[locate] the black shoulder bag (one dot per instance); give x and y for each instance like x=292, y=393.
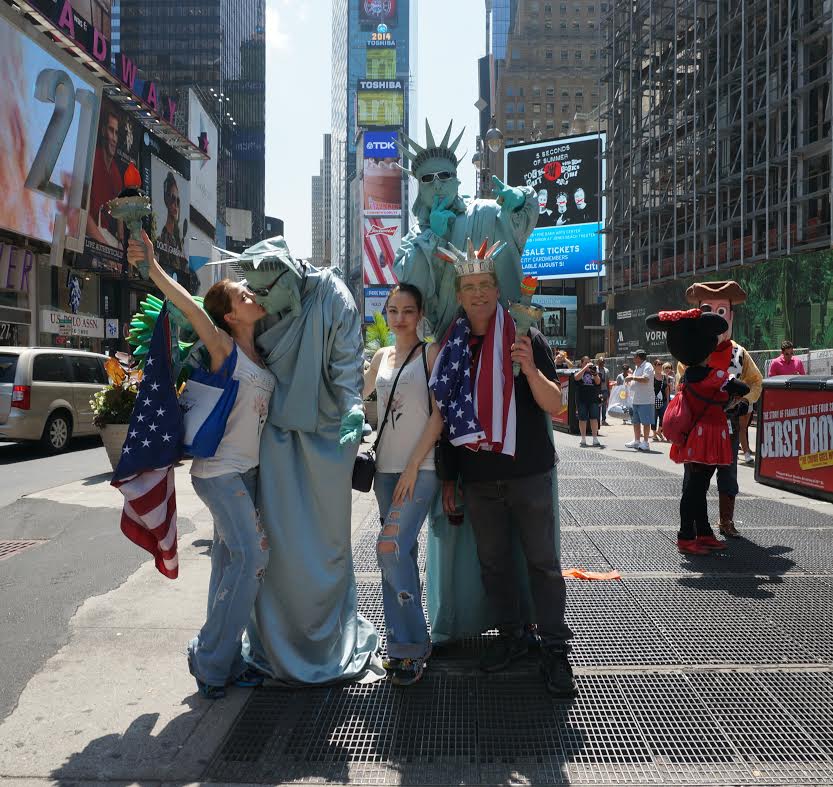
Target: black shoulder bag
x=364, y=468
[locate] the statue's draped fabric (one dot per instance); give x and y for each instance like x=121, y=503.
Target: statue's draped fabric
x=457, y=605
x=305, y=627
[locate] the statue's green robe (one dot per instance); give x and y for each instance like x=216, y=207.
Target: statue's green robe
x=457, y=605
x=305, y=627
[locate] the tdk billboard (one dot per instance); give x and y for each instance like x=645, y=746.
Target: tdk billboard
x=380, y=144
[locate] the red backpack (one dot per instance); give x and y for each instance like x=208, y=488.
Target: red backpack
x=679, y=418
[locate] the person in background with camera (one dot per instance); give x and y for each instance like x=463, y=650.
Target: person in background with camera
x=604, y=376
x=662, y=393
x=562, y=361
x=406, y=480
x=588, y=400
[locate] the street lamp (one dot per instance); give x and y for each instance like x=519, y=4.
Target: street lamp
x=487, y=147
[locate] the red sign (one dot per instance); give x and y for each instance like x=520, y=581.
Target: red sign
x=795, y=440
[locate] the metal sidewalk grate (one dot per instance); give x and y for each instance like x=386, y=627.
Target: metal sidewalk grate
x=10, y=548
x=601, y=469
x=581, y=488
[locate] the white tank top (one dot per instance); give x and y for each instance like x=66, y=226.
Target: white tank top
x=239, y=450
x=408, y=415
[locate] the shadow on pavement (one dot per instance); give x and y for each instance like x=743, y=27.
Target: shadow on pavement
x=10, y=453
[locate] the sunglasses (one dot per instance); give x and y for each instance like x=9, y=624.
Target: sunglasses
x=264, y=291
x=432, y=176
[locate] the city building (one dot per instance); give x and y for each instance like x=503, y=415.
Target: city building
x=217, y=47
x=273, y=227
x=372, y=75
x=317, y=225
x=548, y=66
x=719, y=156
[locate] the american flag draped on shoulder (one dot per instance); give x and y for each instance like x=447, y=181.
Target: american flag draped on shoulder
x=479, y=415
x=145, y=474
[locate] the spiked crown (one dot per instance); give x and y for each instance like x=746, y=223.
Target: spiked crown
x=471, y=261
x=418, y=155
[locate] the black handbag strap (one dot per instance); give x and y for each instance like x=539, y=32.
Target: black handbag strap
x=390, y=398
x=427, y=378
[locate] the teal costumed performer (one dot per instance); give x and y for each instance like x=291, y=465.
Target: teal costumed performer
x=305, y=627
x=457, y=605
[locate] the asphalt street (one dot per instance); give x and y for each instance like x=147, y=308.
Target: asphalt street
x=27, y=468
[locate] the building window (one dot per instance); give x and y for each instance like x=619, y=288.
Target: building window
x=579, y=94
x=593, y=54
x=550, y=108
x=576, y=25
x=591, y=10
x=521, y=124
x=547, y=8
x=510, y=90
x=536, y=91
x=510, y=109
x=536, y=108
x=565, y=125
x=550, y=92
x=579, y=107
x=510, y=124
x=591, y=24
x=510, y=141
x=563, y=25
x=578, y=54
x=516, y=54
x=603, y=6
x=565, y=55
x=547, y=25
x=550, y=124
x=521, y=107
x=548, y=54
x=565, y=108
x=521, y=93
x=563, y=9
x=564, y=94
x=536, y=123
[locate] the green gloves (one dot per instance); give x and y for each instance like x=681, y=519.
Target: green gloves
x=351, y=425
x=440, y=216
x=143, y=322
x=509, y=196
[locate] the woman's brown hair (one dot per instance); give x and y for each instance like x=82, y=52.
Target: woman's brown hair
x=219, y=301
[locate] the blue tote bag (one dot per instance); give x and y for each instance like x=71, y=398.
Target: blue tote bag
x=206, y=404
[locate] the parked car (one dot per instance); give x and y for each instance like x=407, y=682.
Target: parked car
x=45, y=394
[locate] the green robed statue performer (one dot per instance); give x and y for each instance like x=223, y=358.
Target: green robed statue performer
x=457, y=605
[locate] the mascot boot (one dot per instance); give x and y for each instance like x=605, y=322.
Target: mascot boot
x=727, y=514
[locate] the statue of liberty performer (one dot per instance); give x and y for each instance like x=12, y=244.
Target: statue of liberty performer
x=305, y=626
x=457, y=605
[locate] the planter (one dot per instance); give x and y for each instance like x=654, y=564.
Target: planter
x=371, y=414
x=113, y=437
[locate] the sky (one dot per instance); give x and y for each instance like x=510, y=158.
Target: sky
x=451, y=37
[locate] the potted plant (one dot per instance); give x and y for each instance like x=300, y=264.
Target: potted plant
x=113, y=405
x=376, y=336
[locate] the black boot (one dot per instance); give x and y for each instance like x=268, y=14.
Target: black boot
x=557, y=672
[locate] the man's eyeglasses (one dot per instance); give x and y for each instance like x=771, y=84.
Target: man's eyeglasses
x=432, y=176
x=483, y=288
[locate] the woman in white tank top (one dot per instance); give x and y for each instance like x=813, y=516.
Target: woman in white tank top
x=406, y=482
x=226, y=482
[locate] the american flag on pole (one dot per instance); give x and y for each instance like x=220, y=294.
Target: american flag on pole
x=145, y=473
x=381, y=240
x=479, y=414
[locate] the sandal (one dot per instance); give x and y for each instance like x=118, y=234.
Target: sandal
x=408, y=672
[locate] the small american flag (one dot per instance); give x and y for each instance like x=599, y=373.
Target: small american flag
x=145, y=473
x=478, y=413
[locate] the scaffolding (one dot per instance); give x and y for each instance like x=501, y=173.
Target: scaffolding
x=719, y=134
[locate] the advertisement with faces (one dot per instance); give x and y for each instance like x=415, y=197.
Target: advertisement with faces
x=48, y=119
x=567, y=175
x=170, y=199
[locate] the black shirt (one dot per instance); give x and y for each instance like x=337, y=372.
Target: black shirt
x=534, y=452
x=587, y=391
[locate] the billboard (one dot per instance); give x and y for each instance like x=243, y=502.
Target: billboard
x=203, y=132
x=47, y=121
x=117, y=144
x=381, y=102
x=169, y=195
x=375, y=12
x=382, y=175
x=559, y=322
x=374, y=301
x=568, y=175
x=381, y=240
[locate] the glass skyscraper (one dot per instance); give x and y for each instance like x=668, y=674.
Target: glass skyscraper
x=352, y=30
x=219, y=48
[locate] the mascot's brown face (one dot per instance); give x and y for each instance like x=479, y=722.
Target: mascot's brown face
x=722, y=308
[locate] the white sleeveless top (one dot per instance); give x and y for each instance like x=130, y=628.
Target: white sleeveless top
x=239, y=450
x=408, y=415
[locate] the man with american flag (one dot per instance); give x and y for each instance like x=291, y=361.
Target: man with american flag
x=145, y=473
x=498, y=425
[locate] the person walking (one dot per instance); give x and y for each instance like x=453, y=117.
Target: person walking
x=604, y=377
x=227, y=481
x=406, y=480
x=506, y=463
x=643, y=413
x=661, y=399
x=588, y=396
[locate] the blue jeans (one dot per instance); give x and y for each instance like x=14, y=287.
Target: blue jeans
x=397, y=551
x=239, y=556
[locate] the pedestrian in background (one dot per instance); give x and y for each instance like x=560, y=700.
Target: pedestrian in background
x=562, y=361
x=620, y=380
x=643, y=415
x=588, y=400
x=786, y=363
x=604, y=376
x=662, y=393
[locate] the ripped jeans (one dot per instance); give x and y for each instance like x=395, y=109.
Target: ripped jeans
x=239, y=556
x=397, y=551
